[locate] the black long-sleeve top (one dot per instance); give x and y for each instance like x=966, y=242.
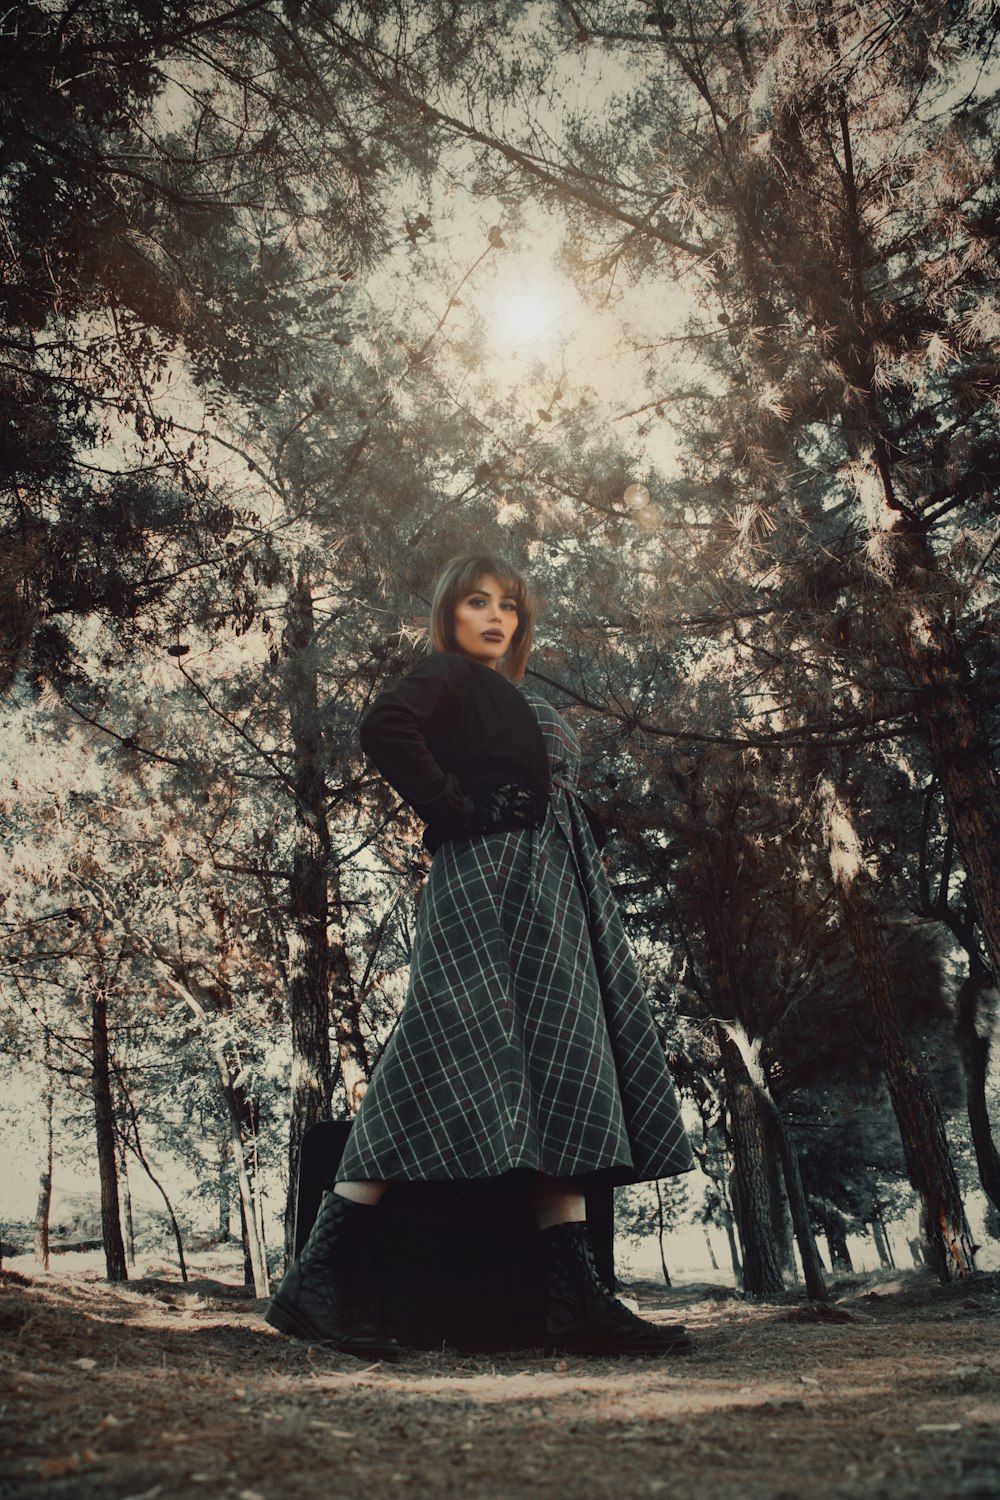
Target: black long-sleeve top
x=461, y=745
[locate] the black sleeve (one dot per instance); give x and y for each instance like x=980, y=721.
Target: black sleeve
x=392, y=736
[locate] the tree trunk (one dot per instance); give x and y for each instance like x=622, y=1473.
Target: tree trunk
x=355, y=1068
x=661, y=1230
x=881, y=1244
x=921, y=1126
x=784, y=1228
x=126, y=1201
x=812, y=1266
x=959, y=747
x=706, y=1159
x=734, y=1250
x=175, y=1227
x=104, y=1126
x=255, y=1253
x=750, y=1145
x=920, y=601
x=836, y=1239
x=711, y=1249
x=973, y=1038
x=245, y=1238
x=309, y=956
x=223, y=1192
x=43, y=1207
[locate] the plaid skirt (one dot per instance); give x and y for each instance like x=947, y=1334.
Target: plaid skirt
x=526, y=1041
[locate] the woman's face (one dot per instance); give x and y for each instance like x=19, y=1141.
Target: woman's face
x=485, y=622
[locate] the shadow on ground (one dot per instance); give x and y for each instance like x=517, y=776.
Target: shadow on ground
x=157, y=1390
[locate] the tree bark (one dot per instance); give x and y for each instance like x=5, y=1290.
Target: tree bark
x=959, y=746
x=223, y=1191
x=309, y=958
x=255, y=1251
x=750, y=1145
x=974, y=1040
x=248, y=1278
x=920, y=602
x=126, y=1201
x=812, y=1266
x=921, y=1126
x=104, y=1127
x=882, y=1244
x=836, y=1239
x=43, y=1207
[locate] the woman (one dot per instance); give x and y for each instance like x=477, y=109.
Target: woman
x=526, y=1042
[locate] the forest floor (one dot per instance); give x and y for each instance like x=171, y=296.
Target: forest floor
x=157, y=1391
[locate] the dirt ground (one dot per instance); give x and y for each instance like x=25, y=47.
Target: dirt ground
x=156, y=1390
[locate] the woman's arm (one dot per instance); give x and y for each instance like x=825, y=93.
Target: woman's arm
x=393, y=737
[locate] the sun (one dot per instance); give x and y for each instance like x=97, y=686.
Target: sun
x=529, y=314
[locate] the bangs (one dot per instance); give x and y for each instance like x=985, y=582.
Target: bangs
x=512, y=585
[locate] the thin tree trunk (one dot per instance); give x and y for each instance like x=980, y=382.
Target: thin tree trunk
x=126, y=1199
x=245, y=1238
x=223, y=1192
x=104, y=1127
x=750, y=1144
x=711, y=1250
x=880, y=1215
x=175, y=1227
x=43, y=1207
x=784, y=1227
x=881, y=1242
x=812, y=1266
x=309, y=958
x=253, y=1242
x=921, y=1126
x=235, y=1103
x=836, y=1239
x=729, y=1226
x=974, y=1038
x=355, y=1068
x=661, y=1229
x=253, y=1115
x=705, y=1159
x=132, y=1141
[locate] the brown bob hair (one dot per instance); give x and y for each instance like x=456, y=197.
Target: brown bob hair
x=462, y=576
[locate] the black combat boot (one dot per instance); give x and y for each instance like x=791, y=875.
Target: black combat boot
x=327, y=1295
x=582, y=1316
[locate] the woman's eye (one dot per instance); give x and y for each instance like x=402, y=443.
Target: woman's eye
x=509, y=605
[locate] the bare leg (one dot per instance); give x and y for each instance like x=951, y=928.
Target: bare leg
x=557, y=1201
x=362, y=1192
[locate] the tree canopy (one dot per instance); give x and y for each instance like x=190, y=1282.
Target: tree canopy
x=692, y=313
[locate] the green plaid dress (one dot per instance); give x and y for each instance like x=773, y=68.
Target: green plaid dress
x=526, y=1040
